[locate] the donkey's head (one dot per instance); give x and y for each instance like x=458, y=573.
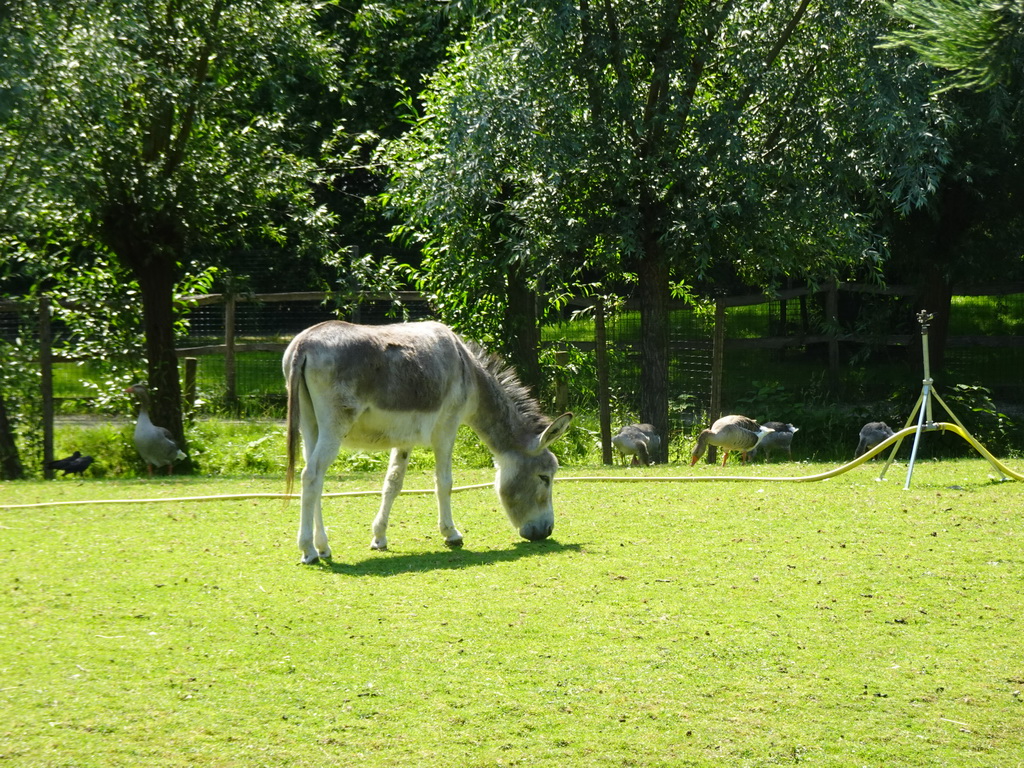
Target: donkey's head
x=524, y=483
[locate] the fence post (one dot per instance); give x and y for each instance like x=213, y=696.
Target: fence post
x=46, y=382
x=231, y=392
x=717, y=369
x=832, y=311
x=191, y=367
x=603, y=396
x=561, y=386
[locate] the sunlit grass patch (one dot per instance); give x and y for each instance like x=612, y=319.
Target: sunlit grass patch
x=841, y=623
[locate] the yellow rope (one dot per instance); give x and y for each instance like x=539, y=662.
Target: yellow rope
x=224, y=497
x=897, y=437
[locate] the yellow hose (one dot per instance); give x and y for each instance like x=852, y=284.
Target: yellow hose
x=980, y=449
x=897, y=437
x=225, y=497
x=943, y=426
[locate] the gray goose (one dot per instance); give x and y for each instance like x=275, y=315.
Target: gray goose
x=871, y=434
x=731, y=433
x=638, y=441
x=155, y=444
x=780, y=438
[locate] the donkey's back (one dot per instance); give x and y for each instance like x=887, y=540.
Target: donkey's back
x=386, y=386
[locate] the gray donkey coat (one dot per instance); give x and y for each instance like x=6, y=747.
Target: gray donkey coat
x=403, y=385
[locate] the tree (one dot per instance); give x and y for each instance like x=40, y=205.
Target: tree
x=10, y=463
x=967, y=224
x=166, y=132
x=680, y=135
x=463, y=209
x=385, y=51
x=977, y=42
x=969, y=228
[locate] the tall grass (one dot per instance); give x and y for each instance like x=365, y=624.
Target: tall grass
x=846, y=623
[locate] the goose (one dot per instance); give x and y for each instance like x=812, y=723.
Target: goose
x=74, y=464
x=871, y=434
x=155, y=444
x=731, y=433
x=780, y=438
x=638, y=441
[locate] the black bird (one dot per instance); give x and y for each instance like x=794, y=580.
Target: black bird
x=75, y=464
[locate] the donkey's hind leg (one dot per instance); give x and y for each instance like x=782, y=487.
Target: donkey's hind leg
x=392, y=487
x=312, y=537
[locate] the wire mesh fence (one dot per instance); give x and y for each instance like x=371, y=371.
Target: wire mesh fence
x=862, y=347
x=237, y=343
x=256, y=372
x=868, y=345
x=689, y=364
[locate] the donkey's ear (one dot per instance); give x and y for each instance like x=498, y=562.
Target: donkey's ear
x=555, y=430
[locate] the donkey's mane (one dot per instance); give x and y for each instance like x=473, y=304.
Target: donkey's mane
x=519, y=400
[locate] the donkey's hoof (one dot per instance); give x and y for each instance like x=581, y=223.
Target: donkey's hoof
x=379, y=545
x=453, y=543
x=310, y=560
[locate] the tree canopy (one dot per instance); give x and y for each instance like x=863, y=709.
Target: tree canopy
x=666, y=143
x=978, y=42
x=968, y=224
x=163, y=133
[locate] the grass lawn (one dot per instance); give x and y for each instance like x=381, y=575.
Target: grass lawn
x=841, y=623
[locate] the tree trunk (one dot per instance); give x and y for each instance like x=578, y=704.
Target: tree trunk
x=653, y=277
x=10, y=463
x=156, y=274
x=952, y=220
x=149, y=250
x=161, y=361
x=522, y=329
x=156, y=282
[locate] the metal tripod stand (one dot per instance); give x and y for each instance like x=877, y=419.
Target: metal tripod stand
x=923, y=408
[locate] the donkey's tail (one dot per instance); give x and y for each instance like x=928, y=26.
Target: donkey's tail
x=295, y=381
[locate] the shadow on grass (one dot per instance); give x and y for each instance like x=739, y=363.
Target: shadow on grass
x=383, y=564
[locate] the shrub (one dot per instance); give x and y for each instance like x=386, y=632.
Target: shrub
x=974, y=407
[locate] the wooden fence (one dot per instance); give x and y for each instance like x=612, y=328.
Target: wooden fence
x=829, y=334
x=231, y=348
x=967, y=354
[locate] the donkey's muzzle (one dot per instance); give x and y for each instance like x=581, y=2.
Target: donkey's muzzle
x=538, y=530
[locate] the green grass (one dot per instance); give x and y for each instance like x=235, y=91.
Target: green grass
x=987, y=315
x=844, y=623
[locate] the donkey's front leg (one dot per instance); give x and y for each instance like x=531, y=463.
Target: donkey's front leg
x=443, y=489
x=392, y=487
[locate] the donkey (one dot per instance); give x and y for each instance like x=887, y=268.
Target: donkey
x=398, y=386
